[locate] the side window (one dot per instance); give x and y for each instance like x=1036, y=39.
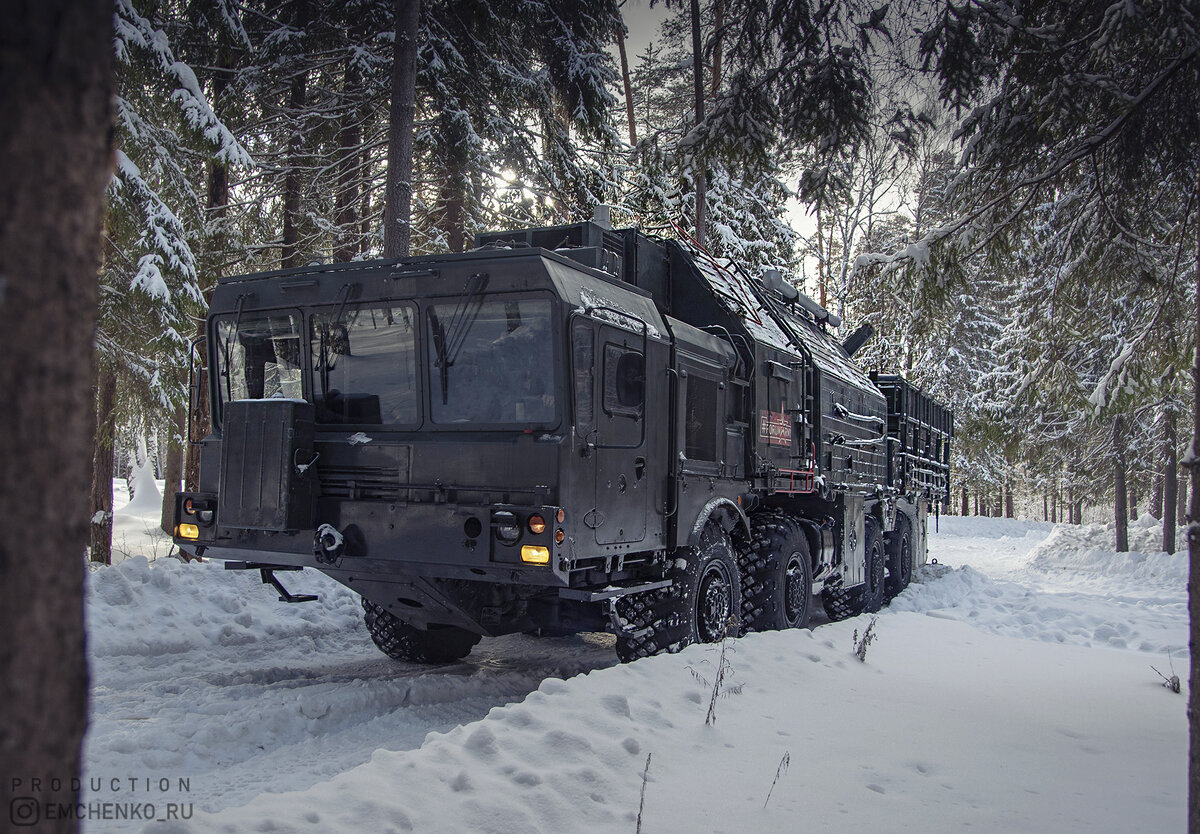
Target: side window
x=584, y=361
x=700, y=421
x=624, y=381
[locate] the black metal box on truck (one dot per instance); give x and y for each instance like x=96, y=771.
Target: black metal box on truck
x=266, y=453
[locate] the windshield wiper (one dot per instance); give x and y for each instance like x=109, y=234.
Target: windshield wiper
x=449, y=340
x=439, y=344
x=227, y=346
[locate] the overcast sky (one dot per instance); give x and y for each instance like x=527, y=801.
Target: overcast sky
x=642, y=22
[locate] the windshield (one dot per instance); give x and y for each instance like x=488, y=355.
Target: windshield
x=492, y=362
x=259, y=357
x=364, y=365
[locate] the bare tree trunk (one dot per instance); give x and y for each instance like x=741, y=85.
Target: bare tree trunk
x=1045, y=506
x=453, y=199
x=397, y=207
x=173, y=469
x=698, y=90
x=56, y=62
x=1156, y=496
x=102, y=468
x=289, y=255
x=965, y=506
x=364, y=211
x=718, y=35
x=346, y=197
x=1134, y=497
x=628, y=86
x=201, y=414
x=1121, y=507
x=1181, y=500
x=1193, y=534
x=822, y=288
x=1008, y=500
x=1170, y=483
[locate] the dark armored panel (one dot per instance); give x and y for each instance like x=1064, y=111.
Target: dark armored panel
x=265, y=484
x=920, y=429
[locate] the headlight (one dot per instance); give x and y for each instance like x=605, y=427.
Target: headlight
x=535, y=554
x=537, y=524
x=507, y=526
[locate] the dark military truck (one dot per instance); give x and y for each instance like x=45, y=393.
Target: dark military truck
x=566, y=429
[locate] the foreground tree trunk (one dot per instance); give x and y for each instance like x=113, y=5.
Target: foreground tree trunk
x=397, y=206
x=1121, y=509
x=55, y=59
x=103, y=460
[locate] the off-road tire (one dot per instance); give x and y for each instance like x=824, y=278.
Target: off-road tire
x=842, y=603
x=899, y=557
x=776, y=568
x=698, y=607
x=874, y=589
x=401, y=641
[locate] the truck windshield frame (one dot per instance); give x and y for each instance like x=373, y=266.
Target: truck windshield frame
x=494, y=365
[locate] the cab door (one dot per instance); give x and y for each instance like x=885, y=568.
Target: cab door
x=622, y=492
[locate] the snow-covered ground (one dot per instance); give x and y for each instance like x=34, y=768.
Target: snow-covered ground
x=1009, y=689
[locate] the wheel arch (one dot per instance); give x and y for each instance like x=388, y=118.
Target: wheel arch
x=812, y=535
x=724, y=512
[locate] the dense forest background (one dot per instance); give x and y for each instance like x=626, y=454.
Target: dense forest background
x=1006, y=191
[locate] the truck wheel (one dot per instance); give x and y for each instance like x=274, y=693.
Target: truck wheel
x=401, y=641
x=843, y=603
x=899, y=557
x=776, y=574
x=874, y=589
x=701, y=606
